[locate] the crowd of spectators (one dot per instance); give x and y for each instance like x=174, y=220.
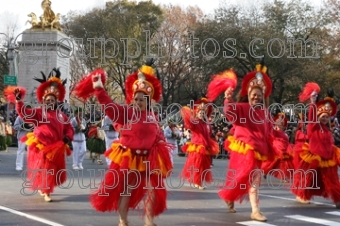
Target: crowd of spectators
x=220, y=126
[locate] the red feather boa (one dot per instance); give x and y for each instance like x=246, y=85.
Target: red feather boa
x=220, y=83
x=9, y=93
x=307, y=91
x=84, y=89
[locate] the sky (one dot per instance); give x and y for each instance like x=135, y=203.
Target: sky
x=14, y=12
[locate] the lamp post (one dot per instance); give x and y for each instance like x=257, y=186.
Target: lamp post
x=10, y=59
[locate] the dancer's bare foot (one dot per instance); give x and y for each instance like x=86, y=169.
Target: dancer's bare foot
x=47, y=198
x=258, y=216
x=231, y=207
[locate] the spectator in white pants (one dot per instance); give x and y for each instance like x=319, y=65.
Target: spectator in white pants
x=79, y=141
x=110, y=135
x=22, y=129
x=172, y=135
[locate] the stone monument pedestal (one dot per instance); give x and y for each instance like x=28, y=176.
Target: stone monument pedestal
x=42, y=50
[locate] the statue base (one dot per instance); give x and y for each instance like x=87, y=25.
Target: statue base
x=42, y=50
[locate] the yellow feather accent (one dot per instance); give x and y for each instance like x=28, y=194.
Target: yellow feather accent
x=227, y=74
x=147, y=70
x=191, y=147
x=260, y=67
x=163, y=169
x=34, y=141
x=243, y=148
x=117, y=153
x=55, y=79
x=308, y=157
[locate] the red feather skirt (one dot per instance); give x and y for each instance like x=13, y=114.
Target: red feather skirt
x=131, y=175
x=318, y=177
x=244, y=162
x=196, y=169
x=46, y=167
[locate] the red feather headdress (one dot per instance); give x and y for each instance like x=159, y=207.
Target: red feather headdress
x=220, y=83
x=326, y=106
x=144, y=80
x=52, y=85
x=281, y=118
x=258, y=79
x=307, y=91
x=201, y=104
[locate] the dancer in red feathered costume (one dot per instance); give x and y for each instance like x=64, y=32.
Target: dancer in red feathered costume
x=250, y=143
x=48, y=143
x=219, y=84
x=140, y=158
x=317, y=172
x=282, y=166
x=196, y=169
x=310, y=89
x=299, y=140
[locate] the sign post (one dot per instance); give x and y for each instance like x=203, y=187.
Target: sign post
x=10, y=80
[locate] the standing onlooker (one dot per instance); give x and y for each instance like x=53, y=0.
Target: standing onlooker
x=3, y=145
x=79, y=142
x=22, y=129
x=95, y=142
x=9, y=134
x=65, y=107
x=110, y=135
x=172, y=135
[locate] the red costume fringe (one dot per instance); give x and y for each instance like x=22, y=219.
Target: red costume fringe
x=300, y=139
x=45, y=173
x=196, y=169
x=238, y=176
x=280, y=168
x=282, y=164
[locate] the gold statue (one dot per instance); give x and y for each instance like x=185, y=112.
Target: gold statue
x=34, y=20
x=48, y=12
x=43, y=22
x=47, y=20
x=55, y=23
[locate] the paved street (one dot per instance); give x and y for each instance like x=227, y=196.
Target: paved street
x=186, y=206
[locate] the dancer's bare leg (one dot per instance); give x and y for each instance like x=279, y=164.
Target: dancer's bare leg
x=149, y=207
x=123, y=209
x=254, y=198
